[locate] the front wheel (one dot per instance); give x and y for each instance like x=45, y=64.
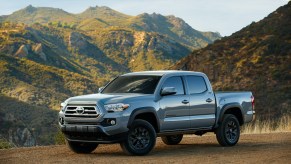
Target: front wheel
x=172, y=139
x=228, y=133
x=141, y=138
x=82, y=147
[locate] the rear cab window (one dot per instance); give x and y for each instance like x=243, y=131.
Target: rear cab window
x=196, y=84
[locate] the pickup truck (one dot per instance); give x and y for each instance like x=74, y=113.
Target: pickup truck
x=136, y=108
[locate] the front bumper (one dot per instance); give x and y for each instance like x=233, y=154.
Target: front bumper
x=99, y=130
x=82, y=133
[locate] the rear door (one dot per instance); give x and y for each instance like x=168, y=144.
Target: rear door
x=175, y=108
x=202, y=102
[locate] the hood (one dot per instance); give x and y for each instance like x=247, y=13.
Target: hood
x=106, y=98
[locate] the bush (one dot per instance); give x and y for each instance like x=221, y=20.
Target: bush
x=60, y=138
x=5, y=144
x=259, y=126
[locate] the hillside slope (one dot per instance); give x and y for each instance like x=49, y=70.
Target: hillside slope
x=48, y=55
x=103, y=17
x=26, y=125
x=256, y=58
x=30, y=15
x=41, y=85
x=58, y=54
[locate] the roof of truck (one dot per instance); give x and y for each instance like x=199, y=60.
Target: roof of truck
x=162, y=72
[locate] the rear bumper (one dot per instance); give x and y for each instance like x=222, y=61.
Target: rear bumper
x=250, y=116
x=254, y=115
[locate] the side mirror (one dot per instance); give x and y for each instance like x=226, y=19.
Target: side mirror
x=100, y=89
x=168, y=91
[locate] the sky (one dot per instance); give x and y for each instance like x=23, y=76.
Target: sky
x=223, y=16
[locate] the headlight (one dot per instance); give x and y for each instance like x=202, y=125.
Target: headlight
x=116, y=107
x=63, y=105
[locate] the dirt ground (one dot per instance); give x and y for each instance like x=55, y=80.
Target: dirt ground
x=252, y=148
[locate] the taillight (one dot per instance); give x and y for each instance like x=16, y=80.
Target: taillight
x=253, y=101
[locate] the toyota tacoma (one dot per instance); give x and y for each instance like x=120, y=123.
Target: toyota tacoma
x=136, y=108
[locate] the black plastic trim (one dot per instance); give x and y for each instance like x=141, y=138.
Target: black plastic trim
x=94, y=135
x=142, y=110
x=224, y=109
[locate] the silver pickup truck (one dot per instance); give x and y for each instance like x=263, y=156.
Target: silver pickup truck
x=135, y=108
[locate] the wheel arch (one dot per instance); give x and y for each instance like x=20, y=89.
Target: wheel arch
x=234, y=109
x=147, y=114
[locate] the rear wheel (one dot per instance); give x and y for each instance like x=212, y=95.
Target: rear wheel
x=228, y=133
x=172, y=139
x=82, y=147
x=140, y=139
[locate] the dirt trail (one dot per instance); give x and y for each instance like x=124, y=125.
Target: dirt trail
x=253, y=148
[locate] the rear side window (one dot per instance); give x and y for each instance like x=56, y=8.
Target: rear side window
x=176, y=82
x=196, y=84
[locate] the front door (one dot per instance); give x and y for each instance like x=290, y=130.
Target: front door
x=175, y=108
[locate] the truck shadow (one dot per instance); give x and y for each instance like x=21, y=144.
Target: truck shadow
x=185, y=149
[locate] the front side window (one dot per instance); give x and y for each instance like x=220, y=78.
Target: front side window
x=196, y=84
x=176, y=82
x=144, y=84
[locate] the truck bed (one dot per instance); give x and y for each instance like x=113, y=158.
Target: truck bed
x=236, y=99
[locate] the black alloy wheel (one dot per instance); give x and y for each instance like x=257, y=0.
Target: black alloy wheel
x=228, y=132
x=231, y=131
x=140, y=139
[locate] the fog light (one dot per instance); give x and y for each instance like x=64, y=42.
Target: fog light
x=61, y=120
x=112, y=122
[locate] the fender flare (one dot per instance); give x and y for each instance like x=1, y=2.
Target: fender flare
x=225, y=108
x=142, y=110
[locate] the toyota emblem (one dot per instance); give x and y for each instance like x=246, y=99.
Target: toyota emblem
x=80, y=110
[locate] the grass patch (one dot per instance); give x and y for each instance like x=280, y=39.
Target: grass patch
x=4, y=144
x=260, y=126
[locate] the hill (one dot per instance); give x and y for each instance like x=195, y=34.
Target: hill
x=256, y=58
x=48, y=55
x=31, y=15
x=26, y=125
x=97, y=17
x=43, y=49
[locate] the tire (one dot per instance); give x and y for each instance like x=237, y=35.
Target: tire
x=82, y=147
x=228, y=133
x=172, y=139
x=141, y=138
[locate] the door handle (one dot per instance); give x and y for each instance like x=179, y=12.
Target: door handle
x=209, y=100
x=185, y=101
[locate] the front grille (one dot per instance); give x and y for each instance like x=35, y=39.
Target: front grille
x=82, y=111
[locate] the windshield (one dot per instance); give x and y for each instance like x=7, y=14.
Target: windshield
x=145, y=84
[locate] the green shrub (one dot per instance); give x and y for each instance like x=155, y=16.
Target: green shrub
x=5, y=144
x=60, y=138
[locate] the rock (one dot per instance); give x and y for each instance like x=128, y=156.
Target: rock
x=152, y=43
x=27, y=138
x=43, y=56
x=38, y=48
x=22, y=51
x=77, y=40
x=39, y=51
x=21, y=137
